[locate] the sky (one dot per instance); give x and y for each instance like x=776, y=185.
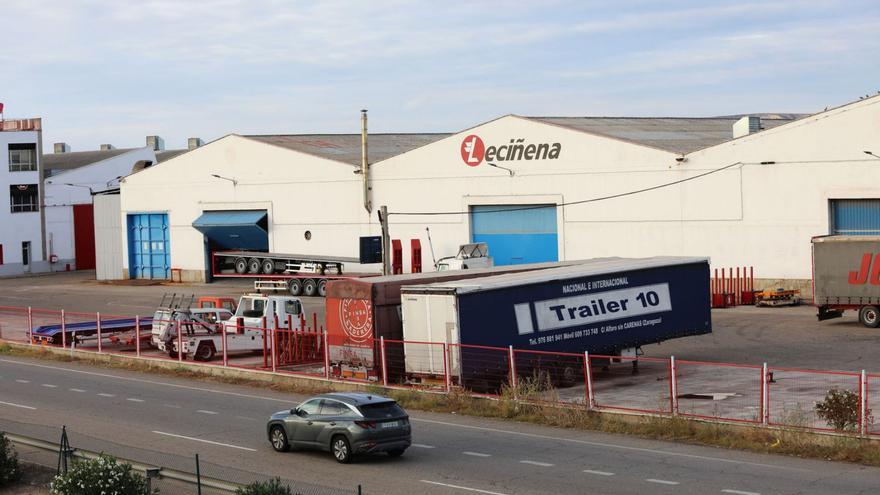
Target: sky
x=114, y=71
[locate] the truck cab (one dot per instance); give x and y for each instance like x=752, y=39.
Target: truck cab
x=252, y=308
x=469, y=257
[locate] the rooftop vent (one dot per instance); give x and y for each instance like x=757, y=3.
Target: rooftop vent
x=193, y=143
x=749, y=124
x=62, y=148
x=107, y=147
x=155, y=143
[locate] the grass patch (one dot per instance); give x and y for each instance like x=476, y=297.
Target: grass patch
x=530, y=402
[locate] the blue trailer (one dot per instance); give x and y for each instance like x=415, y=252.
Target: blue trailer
x=76, y=331
x=608, y=306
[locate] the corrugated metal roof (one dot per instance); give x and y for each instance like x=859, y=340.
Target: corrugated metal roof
x=585, y=268
x=675, y=134
x=58, y=162
x=346, y=148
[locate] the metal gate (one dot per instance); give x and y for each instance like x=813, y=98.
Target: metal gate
x=516, y=234
x=149, y=255
x=855, y=217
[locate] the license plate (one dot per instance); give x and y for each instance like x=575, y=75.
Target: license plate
x=391, y=424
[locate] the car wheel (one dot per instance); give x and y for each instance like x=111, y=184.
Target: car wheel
x=268, y=267
x=278, y=439
x=341, y=449
x=204, y=352
x=396, y=452
x=870, y=316
x=294, y=286
x=241, y=266
x=309, y=287
x=322, y=288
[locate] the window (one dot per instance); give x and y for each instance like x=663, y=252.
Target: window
x=23, y=157
x=310, y=407
x=334, y=408
x=24, y=198
x=292, y=307
x=382, y=410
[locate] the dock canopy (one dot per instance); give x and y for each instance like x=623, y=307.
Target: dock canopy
x=237, y=229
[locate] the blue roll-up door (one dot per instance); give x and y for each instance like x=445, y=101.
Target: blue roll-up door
x=149, y=254
x=516, y=234
x=855, y=217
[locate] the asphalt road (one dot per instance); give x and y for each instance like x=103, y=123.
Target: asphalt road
x=152, y=418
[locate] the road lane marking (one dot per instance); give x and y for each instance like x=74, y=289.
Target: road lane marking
x=662, y=482
x=23, y=381
x=76, y=390
x=738, y=492
x=536, y=463
x=173, y=406
x=49, y=385
x=477, y=454
x=600, y=473
x=204, y=441
x=457, y=487
x=106, y=395
x=207, y=412
x=18, y=405
x=422, y=446
x=602, y=444
x=134, y=400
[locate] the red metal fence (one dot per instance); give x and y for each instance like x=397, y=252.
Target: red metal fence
x=749, y=394
x=729, y=289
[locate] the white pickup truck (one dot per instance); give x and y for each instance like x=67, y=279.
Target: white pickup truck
x=244, y=329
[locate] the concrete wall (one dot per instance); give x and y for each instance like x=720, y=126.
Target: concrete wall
x=108, y=237
x=60, y=198
x=300, y=192
x=16, y=228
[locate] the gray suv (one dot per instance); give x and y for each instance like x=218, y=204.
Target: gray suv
x=344, y=424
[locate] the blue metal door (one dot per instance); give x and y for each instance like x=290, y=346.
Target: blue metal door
x=516, y=234
x=149, y=255
x=855, y=217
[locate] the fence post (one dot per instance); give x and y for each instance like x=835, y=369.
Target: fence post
x=326, y=357
x=765, y=396
x=30, y=324
x=863, y=403
x=137, y=336
x=446, y=376
x=179, y=342
x=673, y=387
x=274, y=342
x=223, y=344
x=98, y=326
x=63, y=331
x=265, y=344
x=512, y=361
x=588, y=379
x=384, y=362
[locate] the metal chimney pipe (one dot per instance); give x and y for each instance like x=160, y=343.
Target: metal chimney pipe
x=365, y=164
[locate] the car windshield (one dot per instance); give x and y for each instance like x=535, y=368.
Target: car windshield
x=381, y=410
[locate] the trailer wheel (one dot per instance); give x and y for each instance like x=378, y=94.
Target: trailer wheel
x=241, y=266
x=204, y=352
x=322, y=288
x=268, y=266
x=309, y=287
x=294, y=286
x=870, y=316
x=254, y=265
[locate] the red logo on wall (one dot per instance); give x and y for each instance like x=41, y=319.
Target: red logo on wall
x=473, y=150
x=357, y=319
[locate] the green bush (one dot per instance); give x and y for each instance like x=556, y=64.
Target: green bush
x=840, y=409
x=101, y=476
x=271, y=487
x=9, y=469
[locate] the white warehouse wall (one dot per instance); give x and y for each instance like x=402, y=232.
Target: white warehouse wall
x=60, y=198
x=300, y=192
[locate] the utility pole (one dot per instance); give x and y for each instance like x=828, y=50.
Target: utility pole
x=386, y=240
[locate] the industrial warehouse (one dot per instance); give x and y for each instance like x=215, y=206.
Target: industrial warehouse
x=750, y=190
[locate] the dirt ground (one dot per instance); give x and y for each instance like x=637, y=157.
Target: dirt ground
x=34, y=481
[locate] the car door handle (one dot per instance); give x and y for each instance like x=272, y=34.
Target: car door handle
x=333, y=423
x=309, y=422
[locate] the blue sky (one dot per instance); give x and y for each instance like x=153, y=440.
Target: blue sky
x=113, y=71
